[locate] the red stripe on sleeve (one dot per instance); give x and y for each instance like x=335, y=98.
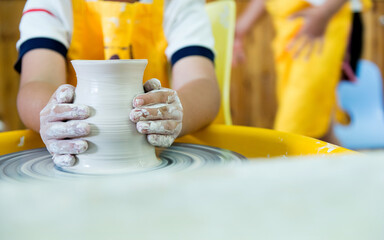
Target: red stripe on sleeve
x=39, y=10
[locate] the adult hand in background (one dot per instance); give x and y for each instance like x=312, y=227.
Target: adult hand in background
x=239, y=56
x=61, y=126
x=158, y=113
x=311, y=34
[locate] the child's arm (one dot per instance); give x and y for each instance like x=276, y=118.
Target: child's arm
x=46, y=111
x=195, y=81
x=192, y=104
x=313, y=30
x=43, y=71
x=246, y=20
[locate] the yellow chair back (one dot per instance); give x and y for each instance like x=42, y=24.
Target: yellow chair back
x=223, y=18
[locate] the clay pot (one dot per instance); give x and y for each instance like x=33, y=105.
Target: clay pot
x=115, y=146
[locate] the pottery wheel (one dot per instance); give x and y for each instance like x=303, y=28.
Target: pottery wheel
x=38, y=164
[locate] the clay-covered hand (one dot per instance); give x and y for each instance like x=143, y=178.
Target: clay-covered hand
x=158, y=113
x=61, y=126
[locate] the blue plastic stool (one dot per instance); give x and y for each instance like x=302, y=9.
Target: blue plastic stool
x=363, y=101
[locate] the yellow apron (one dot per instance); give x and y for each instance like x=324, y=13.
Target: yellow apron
x=367, y=4
x=306, y=87
x=119, y=30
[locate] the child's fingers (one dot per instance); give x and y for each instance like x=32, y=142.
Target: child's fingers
x=71, y=146
x=62, y=130
x=55, y=127
x=64, y=160
x=64, y=112
x=157, y=112
x=160, y=140
x=165, y=96
x=64, y=94
x=311, y=46
x=164, y=127
x=303, y=44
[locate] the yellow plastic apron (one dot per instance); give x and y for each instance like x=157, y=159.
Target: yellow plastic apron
x=306, y=87
x=367, y=4
x=119, y=30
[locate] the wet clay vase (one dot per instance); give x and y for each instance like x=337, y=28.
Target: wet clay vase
x=114, y=145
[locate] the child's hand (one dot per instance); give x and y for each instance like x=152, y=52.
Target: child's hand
x=158, y=113
x=312, y=32
x=60, y=126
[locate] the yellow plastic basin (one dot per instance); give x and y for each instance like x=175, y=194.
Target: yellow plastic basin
x=248, y=141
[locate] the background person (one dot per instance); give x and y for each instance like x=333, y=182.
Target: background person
x=309, y=48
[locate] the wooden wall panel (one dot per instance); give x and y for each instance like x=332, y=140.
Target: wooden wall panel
x=253, y=83
x=10, y=13
x=374, y=34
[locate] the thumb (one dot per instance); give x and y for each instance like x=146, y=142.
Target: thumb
x=64, y=94
x=152, y=84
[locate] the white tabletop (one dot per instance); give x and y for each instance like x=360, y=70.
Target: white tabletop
x=322, y=197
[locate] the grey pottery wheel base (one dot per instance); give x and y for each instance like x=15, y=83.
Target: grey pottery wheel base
x=37, y=163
